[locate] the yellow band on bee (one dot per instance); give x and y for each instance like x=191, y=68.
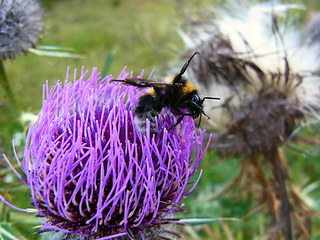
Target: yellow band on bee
x=188, y=88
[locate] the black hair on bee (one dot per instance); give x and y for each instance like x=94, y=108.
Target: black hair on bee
x=176, y=93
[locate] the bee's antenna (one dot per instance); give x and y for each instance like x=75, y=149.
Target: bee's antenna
x=185, y=66
x=214, y=98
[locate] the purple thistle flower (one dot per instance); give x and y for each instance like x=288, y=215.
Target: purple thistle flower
x=91, y=172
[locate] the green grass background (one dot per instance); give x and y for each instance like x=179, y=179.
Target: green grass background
x=142, y=35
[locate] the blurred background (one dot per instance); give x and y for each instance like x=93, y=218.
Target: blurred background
x=139, y=34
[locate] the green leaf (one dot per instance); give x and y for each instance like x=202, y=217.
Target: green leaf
x=6, y=232
x=206, y=220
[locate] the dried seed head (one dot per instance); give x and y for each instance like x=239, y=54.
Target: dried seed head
x=266, y=79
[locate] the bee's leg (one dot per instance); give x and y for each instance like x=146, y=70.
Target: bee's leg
x=199, y=121
x=140, y=83
x=176, y=124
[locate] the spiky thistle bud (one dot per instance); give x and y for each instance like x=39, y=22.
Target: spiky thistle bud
x=20, y=26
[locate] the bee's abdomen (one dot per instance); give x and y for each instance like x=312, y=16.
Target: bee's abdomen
x=146, y=103
x=148, y=108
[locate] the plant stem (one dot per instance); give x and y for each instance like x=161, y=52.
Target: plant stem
x=6, y=86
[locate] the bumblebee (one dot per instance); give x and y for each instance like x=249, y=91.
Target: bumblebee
x=176, y=93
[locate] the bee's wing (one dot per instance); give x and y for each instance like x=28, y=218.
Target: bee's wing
x=143, y=83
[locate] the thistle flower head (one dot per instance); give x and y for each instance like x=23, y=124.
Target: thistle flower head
x=91, y=172
x=20, y=26
x=266, y=79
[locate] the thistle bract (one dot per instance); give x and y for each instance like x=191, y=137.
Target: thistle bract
x=91, y=172
x=20, y=26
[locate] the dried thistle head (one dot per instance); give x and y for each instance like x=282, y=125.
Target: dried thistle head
x=266, y=79
x=20, y=26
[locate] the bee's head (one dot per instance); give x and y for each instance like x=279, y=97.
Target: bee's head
x=193, y=103
x=196, y=106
